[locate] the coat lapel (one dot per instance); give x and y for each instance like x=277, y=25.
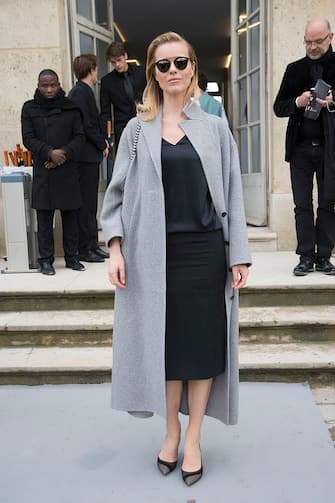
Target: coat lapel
x=152, y=132
x=202, y=140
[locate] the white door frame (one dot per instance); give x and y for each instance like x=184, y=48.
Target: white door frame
x=254, y=178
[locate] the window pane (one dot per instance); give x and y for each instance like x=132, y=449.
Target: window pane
x=242, y=11
x=256, y=149
x=244, y=150
x=101, y=55
x=254, y=41
x=255, y=91
x=243, y=101
x=101, y=13
x=84, y=8
x=242, y=39
x=254, y=5
x=86, y=43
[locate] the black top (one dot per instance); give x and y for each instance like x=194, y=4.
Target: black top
x=188, y=204
x=298, y=78
x=113, y=92
x=82, y=95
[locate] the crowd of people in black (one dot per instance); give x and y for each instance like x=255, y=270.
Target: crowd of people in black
x=68, y=140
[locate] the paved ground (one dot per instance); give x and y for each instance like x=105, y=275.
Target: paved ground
x=64, y=444
x=269, y=268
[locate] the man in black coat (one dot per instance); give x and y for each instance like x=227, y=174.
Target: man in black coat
x=310, y=148
x=85, y=68
x=52, y=129
x=123, y=88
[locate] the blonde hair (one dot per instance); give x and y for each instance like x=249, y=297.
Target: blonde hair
x=153, y=95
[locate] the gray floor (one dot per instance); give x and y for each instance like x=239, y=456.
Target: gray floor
x=64, y=444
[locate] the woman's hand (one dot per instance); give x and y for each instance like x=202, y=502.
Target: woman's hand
x=240, y=274
x=116, y=269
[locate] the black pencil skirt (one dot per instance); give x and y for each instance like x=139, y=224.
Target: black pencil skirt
x=195, y=338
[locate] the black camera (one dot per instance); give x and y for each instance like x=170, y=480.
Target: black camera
x=321, y=89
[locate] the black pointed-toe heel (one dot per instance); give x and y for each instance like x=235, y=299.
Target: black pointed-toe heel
x=191, y=478
x=166, y=467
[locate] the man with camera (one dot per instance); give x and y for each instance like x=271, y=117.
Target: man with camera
x=310, y=145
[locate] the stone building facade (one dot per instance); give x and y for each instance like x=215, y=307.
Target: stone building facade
x=265, y=36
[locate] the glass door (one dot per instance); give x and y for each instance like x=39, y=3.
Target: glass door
x=248, y=74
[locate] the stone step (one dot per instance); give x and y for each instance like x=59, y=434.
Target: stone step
x=56, y=328
x=258, y=362
x=288, y=295
x=262, y=239
x=287, y=324
x=94, y=328
x=293, y=362
x=103, y=298
x=56, y=300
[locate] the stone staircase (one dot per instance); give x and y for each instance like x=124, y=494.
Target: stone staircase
x=64, y=335
x=286, y=334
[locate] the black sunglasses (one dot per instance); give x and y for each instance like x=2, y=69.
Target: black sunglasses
x=180, y=63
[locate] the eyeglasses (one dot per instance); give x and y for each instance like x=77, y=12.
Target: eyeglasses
x=320, y=41
x=163, y=65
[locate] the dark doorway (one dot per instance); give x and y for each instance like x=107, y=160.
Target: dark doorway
x=206, y=25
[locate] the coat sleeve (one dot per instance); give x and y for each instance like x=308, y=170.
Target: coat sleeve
x=105, y=103
x=78, y=138
x=284, y=105
x=238, y=235
x=111, y=220
x=39, y=149
x=142, y=82
x=91, y=128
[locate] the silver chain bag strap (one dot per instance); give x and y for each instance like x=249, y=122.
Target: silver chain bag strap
x=134, y=147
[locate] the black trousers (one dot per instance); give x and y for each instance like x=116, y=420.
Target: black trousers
x=45, y=235
x=87, y=214
x=315, y=236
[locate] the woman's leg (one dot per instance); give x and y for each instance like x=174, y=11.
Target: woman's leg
x=198, y=393
x=169, y=450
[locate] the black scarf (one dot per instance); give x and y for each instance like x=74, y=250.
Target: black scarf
x=316, y=66
x=59, y=101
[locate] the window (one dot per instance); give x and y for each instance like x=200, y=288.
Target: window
x=248, y=75
x=248, y=83
x=92, y=30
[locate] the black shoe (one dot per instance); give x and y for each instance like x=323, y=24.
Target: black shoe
x=324, y=265
x=47, y=268
x=191, y=478
x=166, y=467
x=101, y=253
x=304, y=267
x=91, y=257
x=75, y=265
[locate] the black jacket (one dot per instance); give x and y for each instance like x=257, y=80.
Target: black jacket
x=296, y=80
x=44, y=129
x=82, y=95
x=112, y=92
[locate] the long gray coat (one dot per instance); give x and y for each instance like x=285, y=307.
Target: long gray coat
x=134, y=210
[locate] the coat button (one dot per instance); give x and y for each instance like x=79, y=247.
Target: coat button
x=226, y=243
x=223, y=214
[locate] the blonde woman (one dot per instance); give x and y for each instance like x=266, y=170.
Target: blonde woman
x=174, y=222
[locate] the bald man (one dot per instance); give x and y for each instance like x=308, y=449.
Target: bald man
x=310, y=147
